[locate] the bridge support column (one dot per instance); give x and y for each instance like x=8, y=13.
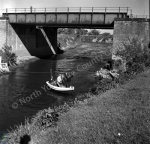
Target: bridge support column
x=47, y=37
x=49, y=40
x=51, y=37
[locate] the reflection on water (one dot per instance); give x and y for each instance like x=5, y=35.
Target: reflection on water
x=24, y=91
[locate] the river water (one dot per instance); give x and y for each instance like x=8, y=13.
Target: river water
x=24, y=92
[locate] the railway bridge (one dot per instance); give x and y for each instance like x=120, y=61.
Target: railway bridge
x=35, y=29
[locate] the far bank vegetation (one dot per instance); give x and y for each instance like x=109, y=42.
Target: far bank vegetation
x=72, y=36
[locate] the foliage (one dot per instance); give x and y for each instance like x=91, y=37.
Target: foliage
x=106, y=36
x=93, y=32
x=70, y=31
x=8, y=56
x=136, y=54
x=80, y=32
x=61, y=30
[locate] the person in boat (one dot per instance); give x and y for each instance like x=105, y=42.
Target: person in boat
x=59, y=80
x=65, y=79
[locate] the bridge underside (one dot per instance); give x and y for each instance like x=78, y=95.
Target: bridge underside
x=39, y=41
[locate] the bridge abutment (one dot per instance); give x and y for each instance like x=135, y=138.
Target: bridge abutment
x=3, y=31
x=10, y=37
x=27, y=40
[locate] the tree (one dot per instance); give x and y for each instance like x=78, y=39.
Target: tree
x=106, y=36
x=70, y=31
x=60, y=30
x=81, y=31
x=93, y=32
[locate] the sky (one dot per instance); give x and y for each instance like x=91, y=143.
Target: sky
x=139, y=7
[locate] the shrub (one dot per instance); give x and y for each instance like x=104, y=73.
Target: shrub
x=136, y=54
x=8, y=56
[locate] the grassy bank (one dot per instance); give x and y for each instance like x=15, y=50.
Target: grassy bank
x=118, y=116
x=13, y=61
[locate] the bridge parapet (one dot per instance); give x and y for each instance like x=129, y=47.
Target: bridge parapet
x=67, y=9
x=139, y=16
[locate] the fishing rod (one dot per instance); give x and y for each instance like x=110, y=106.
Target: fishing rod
x=51, y=74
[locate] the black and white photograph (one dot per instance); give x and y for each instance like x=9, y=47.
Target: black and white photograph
x=74, y=72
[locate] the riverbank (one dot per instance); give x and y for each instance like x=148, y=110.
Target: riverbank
x=119, y=115
x=22, y=61
x=10, y=61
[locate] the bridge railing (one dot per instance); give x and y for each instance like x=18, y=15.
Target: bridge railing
x=139, y=16
x=67, y=9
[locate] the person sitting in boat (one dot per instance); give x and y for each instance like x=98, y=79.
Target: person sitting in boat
x=59, y=80
x=64, y=79
x=67, y=78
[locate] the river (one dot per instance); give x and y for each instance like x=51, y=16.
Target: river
x=23, y=92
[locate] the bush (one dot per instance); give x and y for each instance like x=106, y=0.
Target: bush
x=136, y=54
x=8, y=56
x=93, y=32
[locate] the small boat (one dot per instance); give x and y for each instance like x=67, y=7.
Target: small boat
x=53, y=86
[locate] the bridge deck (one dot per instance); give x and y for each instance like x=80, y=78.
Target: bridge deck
x=67, y=17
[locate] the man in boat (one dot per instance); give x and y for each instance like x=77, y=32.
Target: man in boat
x=59, y=80
x=64, y=79
x=67, y=78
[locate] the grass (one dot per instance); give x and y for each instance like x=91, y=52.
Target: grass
x=119, y=116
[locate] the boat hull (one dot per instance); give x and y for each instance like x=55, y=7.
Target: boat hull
x=61, y=89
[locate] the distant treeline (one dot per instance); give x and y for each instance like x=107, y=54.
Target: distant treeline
x=93, y=35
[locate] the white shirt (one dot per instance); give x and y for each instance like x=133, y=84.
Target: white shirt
x=59, y=79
